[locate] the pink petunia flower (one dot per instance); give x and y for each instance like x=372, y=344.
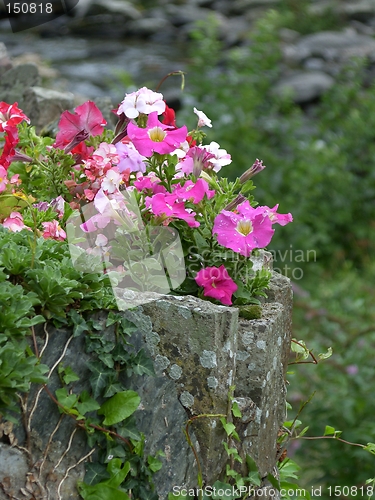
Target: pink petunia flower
x=15, y=222
x=276, y=218
x=143, y=101
x=149, y=182
x=196, y=160
x=10, y=116
x=244, y=231
x=193, y=192
x=167, y=205
x=86, y=117
x=53, y=230
x=156, y=137
x=217, y=284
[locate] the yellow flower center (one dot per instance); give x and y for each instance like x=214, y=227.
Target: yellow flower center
x=156, y=134
x=244, y=227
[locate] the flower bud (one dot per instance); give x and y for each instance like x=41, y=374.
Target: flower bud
x=253, y=170
x=234, y=203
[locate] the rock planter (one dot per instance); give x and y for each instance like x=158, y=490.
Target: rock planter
x=199, y=351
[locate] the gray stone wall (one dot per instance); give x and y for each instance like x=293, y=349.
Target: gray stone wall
x=199, y=351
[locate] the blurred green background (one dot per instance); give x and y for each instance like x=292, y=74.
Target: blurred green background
x=320, y=167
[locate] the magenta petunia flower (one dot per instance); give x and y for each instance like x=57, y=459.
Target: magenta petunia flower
x=193, y=192
x=156, y=137
x=245, y=230
x=217, y=284
x=167, y=205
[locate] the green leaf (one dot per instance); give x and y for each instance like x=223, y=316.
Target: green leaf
x=99, y=377
x=370, y=447
x=229, y=493
x=101, y=491
x=154, y=463
x=326, y=355
x=119, y=407
x=117, y=473
x=87, y=403
x=143, y=364
x=235, y=410
x=328, y=431
x=95, y=472
x=68, y=375
x=228, y=426
x=65, y=399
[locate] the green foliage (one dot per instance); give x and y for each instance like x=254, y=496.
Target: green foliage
x=323, y=164
x=338, y=312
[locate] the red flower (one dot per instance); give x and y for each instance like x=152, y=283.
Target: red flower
x=169, y=117
x=11, y=140
x=10, y=116
x=86, y=117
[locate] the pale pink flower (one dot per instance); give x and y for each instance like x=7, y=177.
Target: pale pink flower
x=53, y=230
x=106, y=153
x=217, y=284
x=203, y=119
x=156, y=137
x=143, y=101
x=15, y=222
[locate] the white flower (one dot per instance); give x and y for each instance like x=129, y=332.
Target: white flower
x=221, y=159
x=144, y=101
x=203, y=119
x=111, y=181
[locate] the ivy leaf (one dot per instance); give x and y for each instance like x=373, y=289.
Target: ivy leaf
x=129, y=429
x=119, y=407
x=79, y=323
x=224, y=491
x=143, y=364
x=117, y=473
x=68, y=375
x=87, y=403
x=95, y=473
x=235, y=410
x=101, y=491
x=370, y=447
x=98, y=378
x=65, y=399
x=154, y=464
